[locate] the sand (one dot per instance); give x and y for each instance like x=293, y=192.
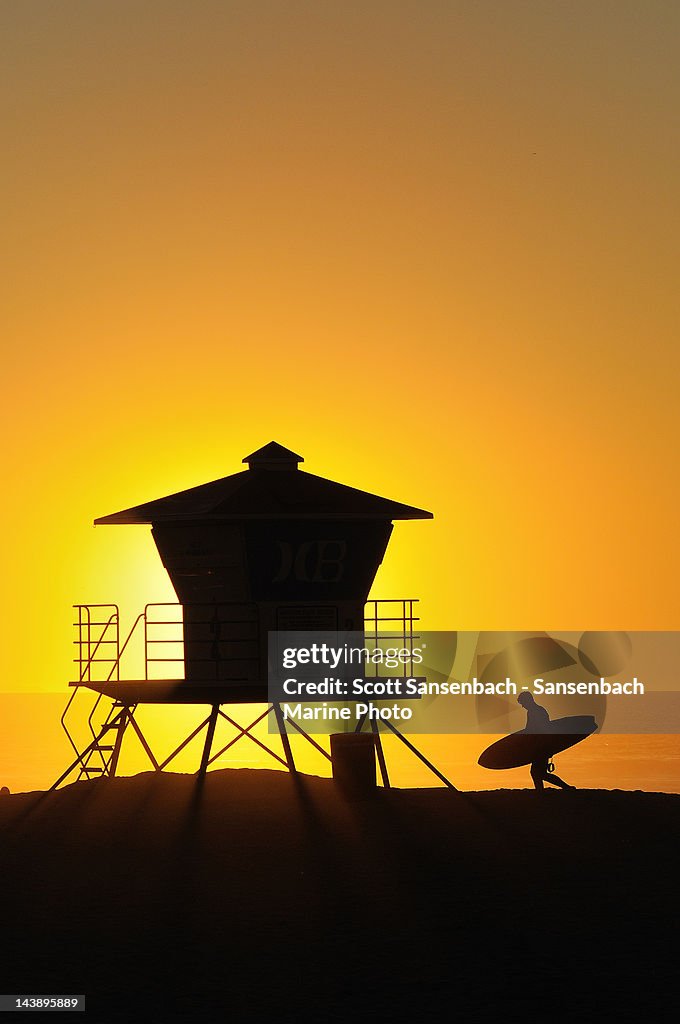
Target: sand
x=262, y=897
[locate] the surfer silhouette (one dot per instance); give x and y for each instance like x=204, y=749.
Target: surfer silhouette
x=538, y=720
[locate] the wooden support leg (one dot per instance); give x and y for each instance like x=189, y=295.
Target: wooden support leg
x=123, y=718
x=281, y=722
x=381, y=754
x=212, y=722
x=361, y=722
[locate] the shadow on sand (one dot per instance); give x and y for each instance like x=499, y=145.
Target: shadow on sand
x=259, y=895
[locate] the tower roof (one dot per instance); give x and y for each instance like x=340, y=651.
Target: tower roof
x=273, y=456
x=271, y=488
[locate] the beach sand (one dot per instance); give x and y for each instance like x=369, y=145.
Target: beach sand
x=260, y=896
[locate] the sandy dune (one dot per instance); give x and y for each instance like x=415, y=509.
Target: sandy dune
x=261, y=897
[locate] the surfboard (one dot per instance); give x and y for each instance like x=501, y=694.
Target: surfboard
x=520, y=748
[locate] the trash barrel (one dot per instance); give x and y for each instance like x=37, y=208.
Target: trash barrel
x=353, y=757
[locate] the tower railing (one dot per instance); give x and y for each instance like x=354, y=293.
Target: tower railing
x=388, y=621
x=95, y=638
x=160, y=631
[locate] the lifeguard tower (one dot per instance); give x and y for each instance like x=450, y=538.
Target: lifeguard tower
x=269, y=548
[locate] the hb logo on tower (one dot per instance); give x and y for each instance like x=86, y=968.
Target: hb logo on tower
x=312, y=561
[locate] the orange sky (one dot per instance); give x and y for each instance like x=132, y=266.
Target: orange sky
x=432, y=247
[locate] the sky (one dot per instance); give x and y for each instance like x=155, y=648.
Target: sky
x=432, y=247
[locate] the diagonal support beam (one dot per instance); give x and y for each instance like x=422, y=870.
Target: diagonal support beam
x=142, y=740
x=246, y=732
x=310, y=740
x=184, y=743
x=421, y=757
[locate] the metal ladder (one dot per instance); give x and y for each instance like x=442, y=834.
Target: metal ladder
x=95, y=638
x=100, y=758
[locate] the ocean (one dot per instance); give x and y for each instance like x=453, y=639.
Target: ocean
x=34, y=751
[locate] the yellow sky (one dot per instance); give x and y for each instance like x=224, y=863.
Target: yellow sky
x=431, y=247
